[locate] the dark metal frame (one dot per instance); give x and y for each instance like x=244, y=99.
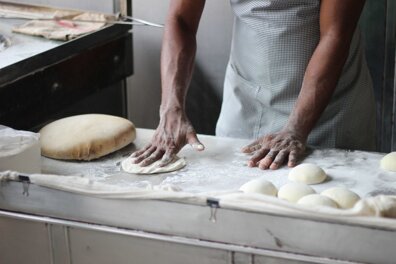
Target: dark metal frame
x=379, y=28
x=389, y=100
x=37, y=88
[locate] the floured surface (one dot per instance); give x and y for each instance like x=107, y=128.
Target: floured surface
x=19, y=151
x=223, y=167
x=155, y=168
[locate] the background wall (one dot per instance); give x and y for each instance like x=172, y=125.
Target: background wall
x=205, y=93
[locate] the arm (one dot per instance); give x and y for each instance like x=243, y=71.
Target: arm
x=338, y=20
x=177, y=61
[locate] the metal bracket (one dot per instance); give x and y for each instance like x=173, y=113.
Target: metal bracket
x=213, y=203
x=25, y=184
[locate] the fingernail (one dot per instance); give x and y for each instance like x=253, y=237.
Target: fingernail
x=198, y=146
x=263, y=167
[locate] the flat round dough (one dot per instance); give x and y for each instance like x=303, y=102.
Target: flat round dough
x=307, y=173
x=344, y=198
x=260, y=186
x=317, y=200
x=389, y=162
x=130, y=167
x=294, y=191
x=86, y=137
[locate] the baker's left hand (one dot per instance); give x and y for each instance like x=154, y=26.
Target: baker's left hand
x=273, y=150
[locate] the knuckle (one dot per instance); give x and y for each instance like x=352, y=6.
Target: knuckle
x=267, y=138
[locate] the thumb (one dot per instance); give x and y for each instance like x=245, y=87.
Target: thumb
x=192, y=139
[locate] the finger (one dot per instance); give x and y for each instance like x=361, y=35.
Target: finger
x=153, y=158
x=168, y=157
x=258, y=155
x=251, y=147
x=267, y=161
x=279, y=160
x=192, y=139
x=293, y=158
x=144, y=155
x=140, y=151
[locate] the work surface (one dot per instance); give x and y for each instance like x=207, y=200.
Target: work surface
x=243, y=222
x=222, y=167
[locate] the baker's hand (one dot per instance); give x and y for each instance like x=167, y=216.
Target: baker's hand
x=273, y=150
x=173, y=133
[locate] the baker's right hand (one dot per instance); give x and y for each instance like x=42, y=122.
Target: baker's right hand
x=173, y=133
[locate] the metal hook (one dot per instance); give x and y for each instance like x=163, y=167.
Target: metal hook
x=25, y=188
x=213, y=204
x=25, y=184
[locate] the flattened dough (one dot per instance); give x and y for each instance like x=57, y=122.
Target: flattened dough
x=294, y=191
x=307, y=173
x=389, y=162
x=260, y=186
x=86, y=137
x=176, y=164
x=344, y=198
x=317, y=200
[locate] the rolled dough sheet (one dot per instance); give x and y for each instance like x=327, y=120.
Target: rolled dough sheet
x=130, y=167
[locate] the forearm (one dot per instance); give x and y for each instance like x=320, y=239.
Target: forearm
x=177, y=60
x=338, y=20
x=319, y=84
x=178, y=52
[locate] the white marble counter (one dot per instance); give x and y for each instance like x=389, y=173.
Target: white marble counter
x=223, y=167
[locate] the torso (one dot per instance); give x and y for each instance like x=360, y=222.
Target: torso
x=273, y=42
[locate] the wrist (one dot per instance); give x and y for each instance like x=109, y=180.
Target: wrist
x=297, y=131
x=171, y=110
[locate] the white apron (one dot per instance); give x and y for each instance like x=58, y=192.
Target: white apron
x=273, y=41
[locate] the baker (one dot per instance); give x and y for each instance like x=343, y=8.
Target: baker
x=296, y=76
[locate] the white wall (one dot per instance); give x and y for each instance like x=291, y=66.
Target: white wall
x=213, y=50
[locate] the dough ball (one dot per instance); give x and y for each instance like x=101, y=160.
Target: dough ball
x=344, y=198
x=86, y=137
x=307, y=173
x=260, y=186
x=316, y=200
x=389, y=162
x=293, y=191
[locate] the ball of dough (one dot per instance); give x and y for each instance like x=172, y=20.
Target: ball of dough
x=86, y=137
x=316, y=200
x=293, y=191
x=307, y=173
x=344, y=198
x=260, y=186
x=389, y=162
